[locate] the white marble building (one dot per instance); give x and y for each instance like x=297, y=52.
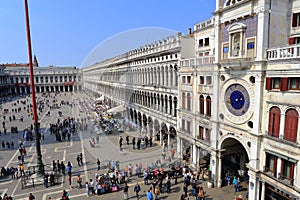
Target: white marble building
x=144, y=80
x=15, y=80
x=253, y=85
x=227, y=93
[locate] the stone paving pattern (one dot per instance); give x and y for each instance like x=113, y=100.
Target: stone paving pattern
x=106, y=150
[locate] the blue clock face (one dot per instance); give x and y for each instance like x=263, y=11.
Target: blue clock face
x=237, y=99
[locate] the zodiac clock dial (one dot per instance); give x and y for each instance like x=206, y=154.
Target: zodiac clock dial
x=237, y=99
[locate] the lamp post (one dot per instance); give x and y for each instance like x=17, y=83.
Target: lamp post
x=40, y=165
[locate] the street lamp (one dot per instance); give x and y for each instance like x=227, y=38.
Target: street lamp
x=40, y=165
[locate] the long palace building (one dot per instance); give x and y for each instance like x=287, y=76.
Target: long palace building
x=227, y=93
x=15, y=79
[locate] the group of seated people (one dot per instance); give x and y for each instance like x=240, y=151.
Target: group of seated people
x=105, y=183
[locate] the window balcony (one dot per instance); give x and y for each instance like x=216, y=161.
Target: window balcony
x=286, y=52
x=197, y=61
x=269, y=172
x=282, y=179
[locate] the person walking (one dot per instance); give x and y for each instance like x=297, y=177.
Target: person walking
x=88, y=189
x=156, y=192
x=31, y=196
x=127, y=139
x=201, y=194
x=81, y=158
x=98, y=164
x=168, y=185
x=137, y=189
x=133, y=143
x=125, y=191
x=149, y=194
x=79, y=181
x=70, y=181
x=78, y=160
x=185, y=189
x=235, y=184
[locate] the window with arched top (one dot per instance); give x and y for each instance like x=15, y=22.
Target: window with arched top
x=274, y=122
x=208, y=106
x=291, y=125
x=201, y=104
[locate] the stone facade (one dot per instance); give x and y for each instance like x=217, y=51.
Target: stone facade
x=144, y=80
x=15, y=80
x=233, y=106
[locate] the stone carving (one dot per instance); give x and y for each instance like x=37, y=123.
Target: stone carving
x=236, y=44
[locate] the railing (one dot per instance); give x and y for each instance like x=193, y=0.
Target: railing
x=270, y=172
x=197, y=61
x=279, y=177
x=287, y=52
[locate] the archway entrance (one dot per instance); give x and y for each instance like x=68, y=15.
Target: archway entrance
x=234, y=158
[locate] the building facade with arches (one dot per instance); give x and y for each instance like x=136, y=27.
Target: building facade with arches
x=232, y=104
x=239, y=111
x=15, y=80
x=145, y=81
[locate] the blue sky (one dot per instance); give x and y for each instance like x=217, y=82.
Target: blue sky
x=65, y=32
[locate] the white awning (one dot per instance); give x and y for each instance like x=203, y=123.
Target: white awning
x=119, y=108
x=100, y=98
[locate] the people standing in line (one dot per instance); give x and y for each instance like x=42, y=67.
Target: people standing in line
x=137, y=189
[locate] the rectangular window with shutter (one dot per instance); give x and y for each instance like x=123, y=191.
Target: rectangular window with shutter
x=284, y=84
x=268, y=83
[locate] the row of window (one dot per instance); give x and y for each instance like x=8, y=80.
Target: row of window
x=41, y=79
x=285, y=167
x=204, y=104
x=283, y=83
x=203, y=80
x=154, y=59
x=291, y=117
x=204, y=42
